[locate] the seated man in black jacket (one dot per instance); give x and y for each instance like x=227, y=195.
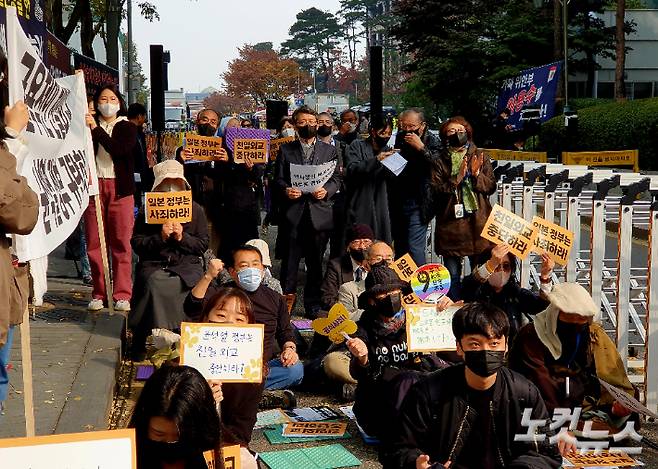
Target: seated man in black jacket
x=466, y=416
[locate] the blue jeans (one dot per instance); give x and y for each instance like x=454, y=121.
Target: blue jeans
x=412, y=235
x=283, y=377
x=5, y=351
x=84, y=260
x=454, y=266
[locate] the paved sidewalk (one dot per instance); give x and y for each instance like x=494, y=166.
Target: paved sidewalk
x=75, y=358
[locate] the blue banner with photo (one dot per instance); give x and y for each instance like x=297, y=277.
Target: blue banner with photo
x=30, y=15
x=532, y=88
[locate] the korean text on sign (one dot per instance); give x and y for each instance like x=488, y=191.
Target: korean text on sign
x=231, y=353
x=505, y=227
x=309, y=178
x=168, y=207
x=204, y=148
x=552, y=239
x=275, y=146
x=312, y=429
x=251, y=150
x=429, y=330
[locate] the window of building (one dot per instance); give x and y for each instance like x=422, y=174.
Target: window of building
x=642, y=90
x=605, y=90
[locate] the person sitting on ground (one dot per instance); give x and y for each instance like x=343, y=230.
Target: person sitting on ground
x=268, y=278
x=381, y=364
x=170, y=261
x=176, y=420
x=239, y=400
x=467, y=415
x=494, y=281
x=349, y=266
x=565, y=353
x=246, y=269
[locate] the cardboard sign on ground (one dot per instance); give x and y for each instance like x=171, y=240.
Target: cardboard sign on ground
x=254, y=151
x=204, y=148
x=232, y=353
x=112, y=449
x=504, y=226
x=601, y=459
x=552, y=239
x=429, y=330
x=312, y=429
x=168, y=207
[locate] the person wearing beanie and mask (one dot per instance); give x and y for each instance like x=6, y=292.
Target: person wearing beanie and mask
x=366, y=180
x=564, y=352
x=348, y=267
x=247, y=271
x=467, y=415
x=495, y=282
x=410, y=193
x=381, y=364
x=306, y=219
x=462, y=180
x=115, y=138
x=170, y=261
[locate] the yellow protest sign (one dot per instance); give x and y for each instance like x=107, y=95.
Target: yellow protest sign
x=230, y=456
x=275, y=146
x=204, y=148
x=429, y=330
x=505, y=227
x=254, y=150
x=601, y=459
x=311, y=429
x=168, y=207
x=404, y=267
x=232, y=353
x=552, y=239
x=336, y=324
x=603, y=158
x=513, y=155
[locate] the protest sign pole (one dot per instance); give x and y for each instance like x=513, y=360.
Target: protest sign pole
x=26, y=358
x=106, y=266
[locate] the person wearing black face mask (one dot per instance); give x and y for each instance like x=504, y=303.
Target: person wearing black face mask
x=565, y=353
x=367, y=181
x=381, y=363
x=467, y=416
x=307, y=218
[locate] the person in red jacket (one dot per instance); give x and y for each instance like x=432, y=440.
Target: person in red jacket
x=114, y=139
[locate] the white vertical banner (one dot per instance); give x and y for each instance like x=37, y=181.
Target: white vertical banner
x=57, y=163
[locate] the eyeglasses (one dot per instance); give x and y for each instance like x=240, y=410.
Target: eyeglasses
x=506, y=266
x=303, y=123
x=455, y=131
x=325, y=122
x=377, y=259
x=410, y=127
x=207, y=120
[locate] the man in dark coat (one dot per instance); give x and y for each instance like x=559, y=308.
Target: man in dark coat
x=410, y=195
x=308, y=217
x=467, y=416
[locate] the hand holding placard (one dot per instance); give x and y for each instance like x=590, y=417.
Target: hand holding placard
x=335, y=324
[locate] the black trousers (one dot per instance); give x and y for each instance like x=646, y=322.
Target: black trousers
x=310, y=244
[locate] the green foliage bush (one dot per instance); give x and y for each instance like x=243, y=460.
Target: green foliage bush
x=612, y=126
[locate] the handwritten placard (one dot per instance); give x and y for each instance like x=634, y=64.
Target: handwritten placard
x=404, y=267
x=627, y=400
x=429, y=330
x=312, y=429
x=204, y=148
x=232, y=353
x=504, y=226
x=336, y=324
x=230, y=456
x=308, y=178
x=112, y=449
x=254, y=151
x=553, y=240
x=600, y=459
x=275, y=146
x=168, y=207
x=431, y=282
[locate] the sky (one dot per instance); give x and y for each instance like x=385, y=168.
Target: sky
x=204, y=35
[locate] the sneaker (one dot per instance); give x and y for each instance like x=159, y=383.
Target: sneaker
x=278, y=400
x=87, y=280
x=95, y=305
x=347, y=391
x=122, y=305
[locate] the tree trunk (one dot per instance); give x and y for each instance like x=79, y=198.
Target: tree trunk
x=112, y=33
x=620, y=65
x=87, y=31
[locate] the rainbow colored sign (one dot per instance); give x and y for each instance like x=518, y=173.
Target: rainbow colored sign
x=431, y=282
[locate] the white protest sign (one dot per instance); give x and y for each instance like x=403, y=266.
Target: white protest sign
x=113, y=449
x=395, y=163
x=309, y=178
x=429, y=330
x=627, y=400
x=56, y=165
x=232, y=353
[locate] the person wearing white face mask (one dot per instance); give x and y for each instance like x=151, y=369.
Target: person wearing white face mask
x=494, y=281
x=114, y=140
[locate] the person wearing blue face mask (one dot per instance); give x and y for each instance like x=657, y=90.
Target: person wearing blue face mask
x=247, y=272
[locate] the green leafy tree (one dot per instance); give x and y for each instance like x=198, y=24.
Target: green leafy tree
x=355, y=24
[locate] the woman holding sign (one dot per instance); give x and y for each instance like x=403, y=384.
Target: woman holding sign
x=463, y=180
x=115, y=138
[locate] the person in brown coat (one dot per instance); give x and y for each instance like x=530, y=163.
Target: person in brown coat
x=462, y=179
